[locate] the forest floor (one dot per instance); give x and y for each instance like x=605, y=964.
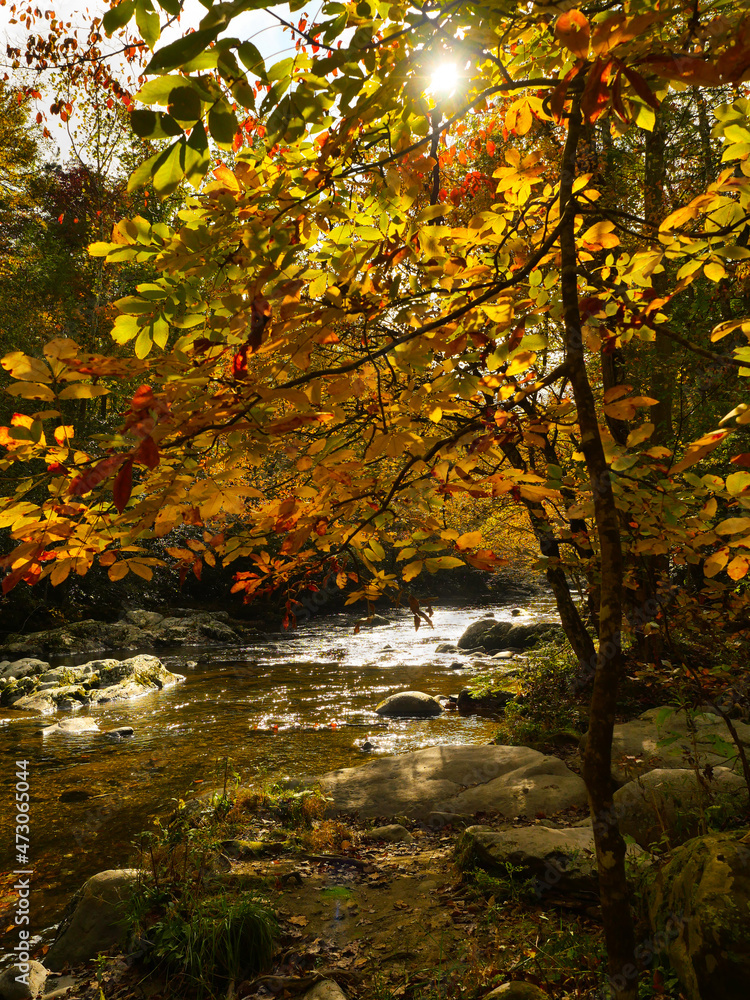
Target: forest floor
x=389, y=921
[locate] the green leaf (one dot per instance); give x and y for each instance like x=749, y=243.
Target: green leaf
x=157, y=91
x=148, y=124
x=185, y=104
x=169, y=169
x=148, y=22
x=142, y=174
x=222, y=124
x=172, y=7
x=197, y=158
x=184, y=49
x=252, y=60
x=118, y=16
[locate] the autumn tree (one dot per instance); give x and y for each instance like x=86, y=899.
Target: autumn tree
x=330, y=293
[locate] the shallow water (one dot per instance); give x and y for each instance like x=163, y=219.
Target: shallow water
x=300, y=704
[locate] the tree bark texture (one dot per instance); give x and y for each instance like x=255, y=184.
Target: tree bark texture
x=610, y=847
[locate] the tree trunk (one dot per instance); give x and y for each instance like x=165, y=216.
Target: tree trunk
x=610, y=847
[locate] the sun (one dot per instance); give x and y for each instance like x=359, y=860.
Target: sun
x=444, y=79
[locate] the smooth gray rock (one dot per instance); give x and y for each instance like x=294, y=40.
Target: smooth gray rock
x=446, y=647
x=455, y=778
x=326, y=989
x=699, y=911
x=393, y=834
x=492, y=636
x=10, y=989
x=144, y=619
x=637, y=746
x=72, y=727
x=670, y=802
x=94, y=920
x=517, y=990
x=409, y=705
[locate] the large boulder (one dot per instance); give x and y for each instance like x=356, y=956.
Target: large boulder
x=455, y=779
x=94, y=683
x=699, y=910
x=95, y=919
x=491, y=635
x=671, y=803
x=554, y=862
x=409, y=705
x=668, y=738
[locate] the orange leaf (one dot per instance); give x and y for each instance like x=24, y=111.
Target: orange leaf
x=573, y=31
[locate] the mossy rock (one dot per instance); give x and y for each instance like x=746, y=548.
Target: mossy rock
x=699, y=910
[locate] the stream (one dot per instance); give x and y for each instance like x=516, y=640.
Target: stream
x=296, y=704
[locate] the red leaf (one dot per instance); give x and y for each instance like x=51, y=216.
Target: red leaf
x=148, y=453
x=260, y=314
x=490, y=148
x=123, y=485
x=239, y=362
x=640, y=86
x=101, y=471
x=596, y=92
x=742, y=460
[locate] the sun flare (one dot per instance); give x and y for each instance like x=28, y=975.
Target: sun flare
x=444, y=79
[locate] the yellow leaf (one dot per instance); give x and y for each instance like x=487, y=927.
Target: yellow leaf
x=600, y=236
x=621, y=410
x=616, y=392
x=714, y=271
x=441, y=562
x=733, y=526
x=437, y=415
x=21, y=366
x=640, y=434
x=470, y=540
x=406, y=553
x=729, y=327
x=715, y=562
x=140, y=569
x=520, y=363
x=118, y=571
x=698, y=450
x=61, y=571
x=31, y=390
x=83, y=390
x=738, y=567
x=412, y=569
